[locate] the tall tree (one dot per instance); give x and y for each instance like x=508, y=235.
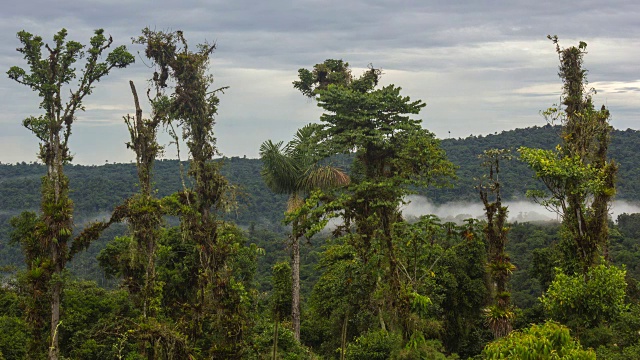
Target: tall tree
x=578, y=174
x=500, y=314
x=144, y=210
x=393, y=155
x=295, y=169
x=47, y=74
x=193, y=106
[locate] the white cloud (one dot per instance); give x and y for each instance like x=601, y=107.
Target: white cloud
x=518, y=210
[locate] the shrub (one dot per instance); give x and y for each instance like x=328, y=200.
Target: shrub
x=547, y=341
x=587, y=301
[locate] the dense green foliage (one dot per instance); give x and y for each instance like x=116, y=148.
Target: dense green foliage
x=530, y=245
x=106, y=186
x=547, y=341
x=517, y=177
x=589, y=301
x=392, y=154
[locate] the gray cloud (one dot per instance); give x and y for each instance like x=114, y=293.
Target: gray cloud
x=481, y=66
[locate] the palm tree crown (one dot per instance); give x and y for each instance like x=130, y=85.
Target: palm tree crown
x=295, y=168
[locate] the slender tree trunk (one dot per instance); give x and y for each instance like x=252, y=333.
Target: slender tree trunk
x=383, y=326
x=143, y=142
x=295, y=282
x=55, y=318
x=56, y=244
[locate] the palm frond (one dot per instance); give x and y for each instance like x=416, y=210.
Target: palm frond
x=293, y=168
x=304, y=144
x=323, y=177
x=279, y=171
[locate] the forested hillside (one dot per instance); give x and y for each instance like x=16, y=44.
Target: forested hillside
x=517, y=177
x=96, y=190
x=99, y=189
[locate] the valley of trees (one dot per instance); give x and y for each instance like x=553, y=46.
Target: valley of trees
x=305, y=253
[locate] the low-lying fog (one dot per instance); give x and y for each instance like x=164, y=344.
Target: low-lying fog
x=521, y=211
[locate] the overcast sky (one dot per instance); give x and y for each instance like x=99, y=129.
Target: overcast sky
x=481, y=66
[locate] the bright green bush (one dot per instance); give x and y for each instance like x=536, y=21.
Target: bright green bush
x=547, y=341
x=587, y=302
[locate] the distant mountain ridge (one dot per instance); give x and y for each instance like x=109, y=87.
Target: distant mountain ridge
x=98, y=189
x=516, y=177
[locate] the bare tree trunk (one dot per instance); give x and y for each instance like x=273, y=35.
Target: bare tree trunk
x=56, y=253
x=55, y=316
x=295, y=282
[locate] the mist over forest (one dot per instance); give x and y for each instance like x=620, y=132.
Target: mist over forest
x=519, y=211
